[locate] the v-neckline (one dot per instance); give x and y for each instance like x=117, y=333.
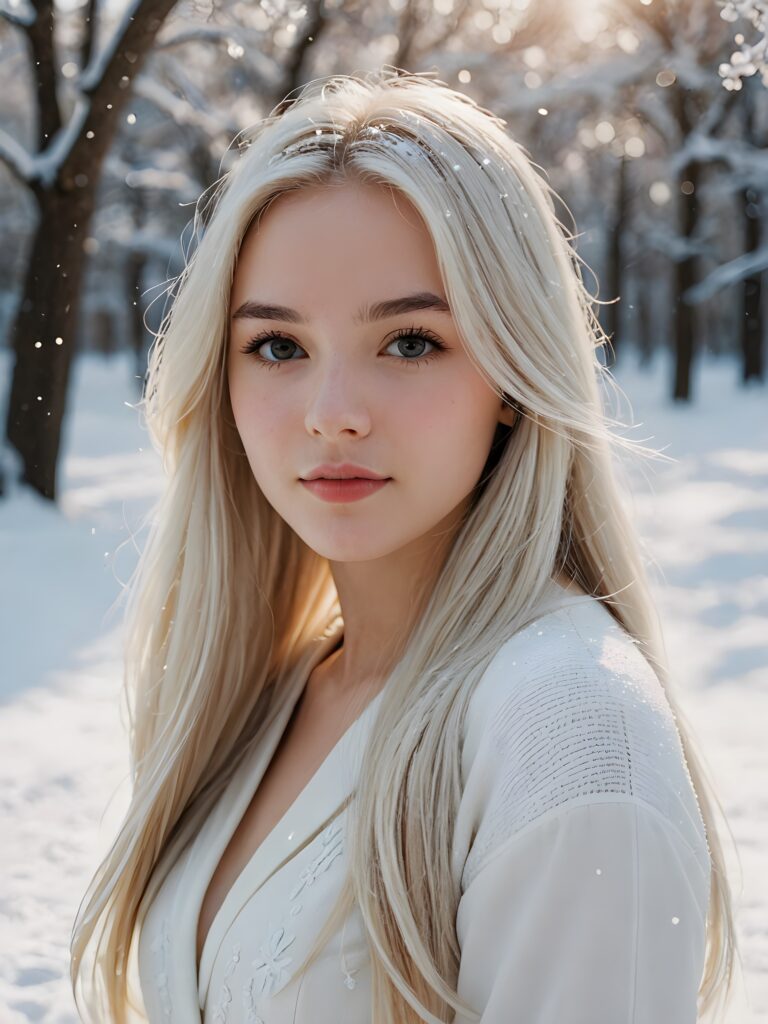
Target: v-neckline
x=254, y=771
x=251, y=773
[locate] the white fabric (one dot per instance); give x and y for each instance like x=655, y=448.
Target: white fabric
x=579, y=852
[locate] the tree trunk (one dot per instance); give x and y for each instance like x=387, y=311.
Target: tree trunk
x=685, y=277
x=137, y=331
x=646, y=323
x=752, y=327
x=43, y=337
x=49, y=307
x=103, y=331
x=614, y=270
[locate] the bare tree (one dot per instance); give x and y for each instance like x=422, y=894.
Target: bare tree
x=62, y=174
x=691, y=37
x=752, y=201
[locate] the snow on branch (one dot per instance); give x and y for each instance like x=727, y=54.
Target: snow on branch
x=154, y=179
x=181, y=111
x=239, y=45
x=90, y=77
x=198, y=34
x=752, y=57
x=746, y=265
x=589, y=81
x=751, y=161
x=676, y=247
x=18, y=13
x=20, y=162
x=43, y=167
x=48, y=163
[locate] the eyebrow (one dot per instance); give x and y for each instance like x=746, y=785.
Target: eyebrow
x=254, y=310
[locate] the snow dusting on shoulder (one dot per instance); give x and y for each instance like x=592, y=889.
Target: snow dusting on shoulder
x=578, y=633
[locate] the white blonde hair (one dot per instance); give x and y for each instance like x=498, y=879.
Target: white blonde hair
x=198, y=668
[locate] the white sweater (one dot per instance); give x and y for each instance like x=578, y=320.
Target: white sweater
x=579, y=850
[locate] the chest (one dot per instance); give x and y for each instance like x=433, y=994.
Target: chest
x=277, y=862
x=270, y=921
x=312, y=732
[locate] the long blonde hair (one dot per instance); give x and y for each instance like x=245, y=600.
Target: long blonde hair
x=198, y=668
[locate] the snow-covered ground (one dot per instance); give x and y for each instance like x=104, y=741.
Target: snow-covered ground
x=63, y=764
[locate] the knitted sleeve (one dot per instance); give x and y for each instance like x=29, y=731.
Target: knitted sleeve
x=582, y=856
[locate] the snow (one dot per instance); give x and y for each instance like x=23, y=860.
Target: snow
x=63, y=762
x=45, y=165
x=48, y=163
x=748, y=264
x=16, y=156
x=92, y=75
x=751, y=56
x=18, y=13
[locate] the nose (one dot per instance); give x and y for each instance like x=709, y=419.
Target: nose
x=337, y=401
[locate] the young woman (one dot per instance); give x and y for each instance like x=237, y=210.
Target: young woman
x=403, y=742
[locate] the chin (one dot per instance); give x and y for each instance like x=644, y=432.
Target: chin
x=365, y=548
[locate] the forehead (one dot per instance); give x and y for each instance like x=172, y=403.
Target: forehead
x=351, y=241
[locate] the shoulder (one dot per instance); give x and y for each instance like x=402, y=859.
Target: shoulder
x=570, y=664
x=568, y=712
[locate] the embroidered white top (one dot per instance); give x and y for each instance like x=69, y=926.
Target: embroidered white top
x=580, y=853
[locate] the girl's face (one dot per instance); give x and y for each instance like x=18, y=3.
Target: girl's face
x=344, y=378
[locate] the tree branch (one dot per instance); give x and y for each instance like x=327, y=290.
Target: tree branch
x=21, y=18
x=181, y=111
x=313, y=27
x=16, y=158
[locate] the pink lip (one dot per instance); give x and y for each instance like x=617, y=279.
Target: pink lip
x=342, y=471
x=351, y=489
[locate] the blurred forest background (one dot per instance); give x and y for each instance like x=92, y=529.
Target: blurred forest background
x=650, y=118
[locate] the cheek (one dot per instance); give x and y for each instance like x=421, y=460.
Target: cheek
x=446, y=432
x=255, y=407
x=261, y=420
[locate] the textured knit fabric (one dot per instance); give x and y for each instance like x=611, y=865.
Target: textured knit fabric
x=579, y=852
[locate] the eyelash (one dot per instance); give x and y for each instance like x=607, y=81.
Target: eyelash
x=252, y=346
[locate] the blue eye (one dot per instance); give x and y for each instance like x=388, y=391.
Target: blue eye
x=418, y=334
x=256, y=343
